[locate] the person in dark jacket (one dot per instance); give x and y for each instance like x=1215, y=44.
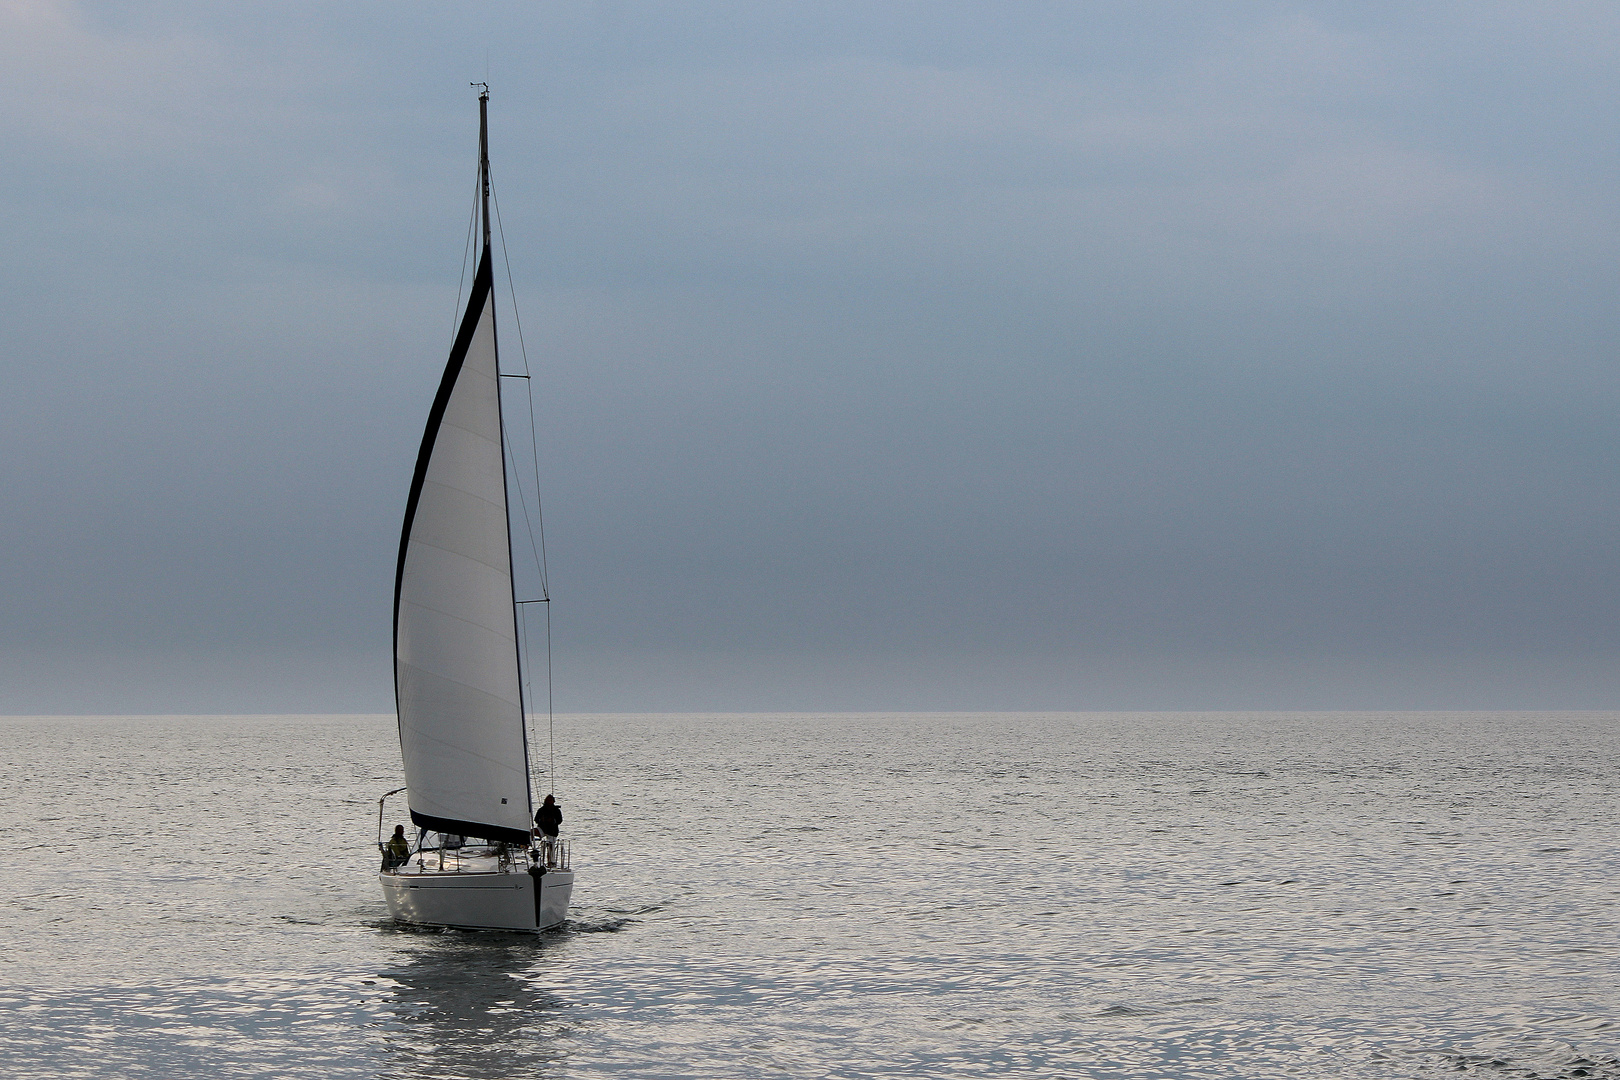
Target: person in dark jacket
x=547, y=820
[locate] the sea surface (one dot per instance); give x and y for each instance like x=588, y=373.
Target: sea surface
x=1052, y=895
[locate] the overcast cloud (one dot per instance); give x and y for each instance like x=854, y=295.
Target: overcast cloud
x=903, y=356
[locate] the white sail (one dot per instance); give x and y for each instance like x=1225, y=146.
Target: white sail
x=455, y=642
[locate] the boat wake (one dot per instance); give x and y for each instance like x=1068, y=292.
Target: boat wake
x=594, y=926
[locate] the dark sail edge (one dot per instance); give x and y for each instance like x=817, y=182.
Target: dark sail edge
x=483, y=283
x=470, y=828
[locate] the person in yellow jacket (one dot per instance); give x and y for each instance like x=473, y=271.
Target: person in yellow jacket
x=397, y=852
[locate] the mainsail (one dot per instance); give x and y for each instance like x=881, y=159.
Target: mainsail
x=456, y=678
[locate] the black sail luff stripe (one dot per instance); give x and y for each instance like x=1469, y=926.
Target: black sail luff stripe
x=483, y=283
x=470, y=828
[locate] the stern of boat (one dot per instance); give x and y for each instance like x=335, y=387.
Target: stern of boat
x=480, y=888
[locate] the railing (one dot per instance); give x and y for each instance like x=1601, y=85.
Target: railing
x=389, y=862
x=553, y=854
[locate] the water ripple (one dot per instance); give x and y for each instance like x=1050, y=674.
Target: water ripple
x=1234, y=896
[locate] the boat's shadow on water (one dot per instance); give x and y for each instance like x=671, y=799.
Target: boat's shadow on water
x=475, y=1003
x=467, y=1005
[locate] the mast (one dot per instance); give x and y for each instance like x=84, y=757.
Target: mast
x=483, y=157
x=517, y=639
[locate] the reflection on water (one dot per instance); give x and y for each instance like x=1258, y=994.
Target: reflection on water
x=463, y=1007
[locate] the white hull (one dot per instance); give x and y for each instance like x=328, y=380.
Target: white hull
x=477, y=900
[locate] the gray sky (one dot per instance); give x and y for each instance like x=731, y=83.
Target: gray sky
x=904, y=356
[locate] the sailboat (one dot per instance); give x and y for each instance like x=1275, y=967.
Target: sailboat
x=474, y=861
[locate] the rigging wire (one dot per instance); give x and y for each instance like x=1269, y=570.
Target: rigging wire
x=538, y=525
x=523, y=606
x=455, y=316
x=534, y=442
x=528, y=680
